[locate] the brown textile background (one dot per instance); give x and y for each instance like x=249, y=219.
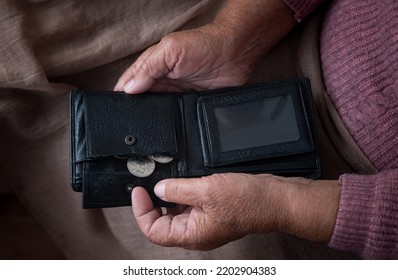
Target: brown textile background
x=50, y=47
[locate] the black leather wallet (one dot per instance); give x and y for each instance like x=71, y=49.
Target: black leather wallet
x=119, y=141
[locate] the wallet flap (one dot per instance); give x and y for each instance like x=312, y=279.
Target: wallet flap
x=257, y=123
x=118, y=124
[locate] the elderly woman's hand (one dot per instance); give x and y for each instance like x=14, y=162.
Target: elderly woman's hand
x=212, y=211
x=201, y=59
x=219, y=54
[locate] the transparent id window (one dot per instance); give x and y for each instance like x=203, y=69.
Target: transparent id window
x=256, y=123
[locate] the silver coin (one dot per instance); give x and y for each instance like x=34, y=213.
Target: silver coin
x=141, y=167
x=161, y=158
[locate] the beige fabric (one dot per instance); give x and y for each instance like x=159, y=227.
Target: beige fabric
x=333, y=131
x=48, y=48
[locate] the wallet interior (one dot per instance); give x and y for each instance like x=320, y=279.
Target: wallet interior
x=267, y=128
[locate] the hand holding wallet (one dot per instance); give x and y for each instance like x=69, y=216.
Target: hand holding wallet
x=119, y=141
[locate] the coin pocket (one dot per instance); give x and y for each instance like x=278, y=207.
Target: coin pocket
x=108, y=129
x=105, y=182
x=148, y=125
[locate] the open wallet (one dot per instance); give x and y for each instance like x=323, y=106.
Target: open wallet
x=119, y=141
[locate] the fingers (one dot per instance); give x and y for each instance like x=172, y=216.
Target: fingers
x=130, y=72
x=126, y=76
x=181, y=191
x=152, y=65
x=201, y=221
x=166, y=230
x=143, y=209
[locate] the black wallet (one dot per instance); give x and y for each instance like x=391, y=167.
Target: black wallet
x=119, y=141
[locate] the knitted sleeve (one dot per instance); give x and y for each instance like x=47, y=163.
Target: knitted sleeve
x=367, y=221
x=302, y=8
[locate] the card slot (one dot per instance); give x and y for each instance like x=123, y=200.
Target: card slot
x=191, y=150
x=257, y=123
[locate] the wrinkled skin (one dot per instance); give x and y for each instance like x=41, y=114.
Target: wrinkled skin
x=214, y=210
x=184, y=60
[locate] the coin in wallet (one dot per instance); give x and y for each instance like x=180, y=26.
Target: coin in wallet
x=141, y=167
x=161, y=158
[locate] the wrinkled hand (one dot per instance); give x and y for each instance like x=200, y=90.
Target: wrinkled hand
x=211, y=211
x=214, y=210
x=199, y=59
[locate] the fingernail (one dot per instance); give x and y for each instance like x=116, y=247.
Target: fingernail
x=117, y=86
x=159, y=189
x=129, y=86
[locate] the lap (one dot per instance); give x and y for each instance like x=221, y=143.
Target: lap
x=35, y=149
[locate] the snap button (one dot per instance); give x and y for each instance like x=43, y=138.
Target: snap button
x=130, y=140
x=129, y=187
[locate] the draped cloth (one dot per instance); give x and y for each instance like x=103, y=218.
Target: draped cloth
x=48, y=48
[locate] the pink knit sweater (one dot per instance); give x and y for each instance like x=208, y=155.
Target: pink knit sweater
x=359, y=54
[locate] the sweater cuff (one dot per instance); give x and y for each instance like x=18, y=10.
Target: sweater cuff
x=366, y=220
x=302, y=8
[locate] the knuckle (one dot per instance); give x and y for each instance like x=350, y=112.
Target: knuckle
x=145, y=66
x=155, y=65
x=270, y=180
x=168, y=42
x=179, y=189
x=170, y=190
x=213, y=189
x=132, y=70
x=217, y=179
x=209, y=183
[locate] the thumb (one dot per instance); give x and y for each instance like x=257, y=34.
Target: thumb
x=181, y=191
x=152, y=67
